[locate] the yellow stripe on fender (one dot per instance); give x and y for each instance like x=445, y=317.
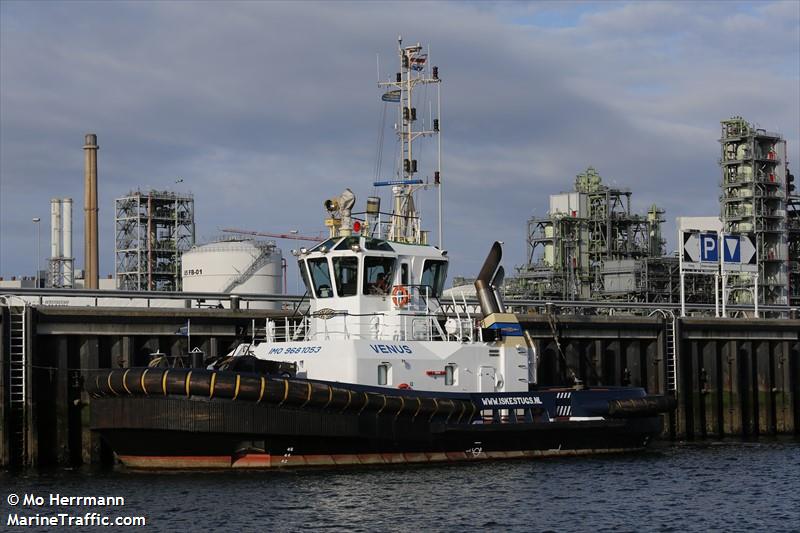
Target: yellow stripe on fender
x=308, y=396
x=236, y=390
x=211, y=387
x=402, y=405
x=164, y=382
x=285, y=391
x=188, y=381
x=124, y=385
x=419, y=406
x=263, y=386
x=144, y=389
x=349, y=400
x=109, y=385
x=366, y=403
x=385, y=401
x=435, y=410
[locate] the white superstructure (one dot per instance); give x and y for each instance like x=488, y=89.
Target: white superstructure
x=374, y=315
x=374, y=319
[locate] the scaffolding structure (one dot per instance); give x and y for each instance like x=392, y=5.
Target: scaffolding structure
x=153, y=229
x=585, y=230
x=793, y=238
x=754, y=203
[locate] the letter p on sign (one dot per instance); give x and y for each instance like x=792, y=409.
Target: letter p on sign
x=708, y=247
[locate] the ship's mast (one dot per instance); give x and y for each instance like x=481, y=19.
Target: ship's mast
x=405, y=221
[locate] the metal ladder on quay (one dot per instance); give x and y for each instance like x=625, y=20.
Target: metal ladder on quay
x=17, y=385
x=670, y=352
x=672, y=360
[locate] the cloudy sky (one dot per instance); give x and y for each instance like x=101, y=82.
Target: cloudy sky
x=264, y=109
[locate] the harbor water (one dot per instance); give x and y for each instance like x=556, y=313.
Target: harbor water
x=725, y=486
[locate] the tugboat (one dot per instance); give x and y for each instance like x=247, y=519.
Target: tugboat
x=375, y=372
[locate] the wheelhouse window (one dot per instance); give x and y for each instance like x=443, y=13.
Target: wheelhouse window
x=433, y=276
x=378, y=273
x=328, y=245
x=347, y=243
x=304, y=275
x=321, y=277
x=377, y=244
x=345, y=270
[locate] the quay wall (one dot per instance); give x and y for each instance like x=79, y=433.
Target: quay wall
x=65, y=341
x=733, y=377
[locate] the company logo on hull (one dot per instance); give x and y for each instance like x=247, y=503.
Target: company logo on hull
x=510, y=401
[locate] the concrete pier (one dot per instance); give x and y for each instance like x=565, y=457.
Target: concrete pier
x=732, y=377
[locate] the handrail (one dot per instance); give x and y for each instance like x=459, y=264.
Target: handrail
x=517, y=304
x=152, y=295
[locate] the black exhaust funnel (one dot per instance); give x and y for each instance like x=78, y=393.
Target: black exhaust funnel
x=497, y=282
x=483, y=284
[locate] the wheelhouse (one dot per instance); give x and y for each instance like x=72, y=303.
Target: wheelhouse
x=357, y=266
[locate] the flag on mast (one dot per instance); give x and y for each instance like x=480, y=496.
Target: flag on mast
x=418, y=62
x=391, y=96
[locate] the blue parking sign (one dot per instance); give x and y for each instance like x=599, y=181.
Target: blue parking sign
x=709, y=250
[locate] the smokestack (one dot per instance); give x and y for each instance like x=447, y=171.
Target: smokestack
x=55, y=228
x=90, y=148
x=483, y=284
x=66, y=224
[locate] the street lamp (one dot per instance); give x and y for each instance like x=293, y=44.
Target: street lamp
x=297, y=279
x=36, y=221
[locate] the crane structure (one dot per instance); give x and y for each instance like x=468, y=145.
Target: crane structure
x=291, y=236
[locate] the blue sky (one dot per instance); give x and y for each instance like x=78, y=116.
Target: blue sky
x=266, y=108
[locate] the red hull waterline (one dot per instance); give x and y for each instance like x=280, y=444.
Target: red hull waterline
x=266, y=461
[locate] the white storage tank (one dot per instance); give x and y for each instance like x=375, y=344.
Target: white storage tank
x=236, y=267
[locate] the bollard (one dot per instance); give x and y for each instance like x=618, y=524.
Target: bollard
x=197, y=359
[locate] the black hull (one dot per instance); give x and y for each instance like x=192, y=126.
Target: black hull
x=168, y=432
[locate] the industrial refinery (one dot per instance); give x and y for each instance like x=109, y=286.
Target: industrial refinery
x=756, y=195
x=152, y=230
x=590, y=245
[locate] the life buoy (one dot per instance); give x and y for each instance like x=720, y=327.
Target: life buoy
x=400, y=296
x=404, y=386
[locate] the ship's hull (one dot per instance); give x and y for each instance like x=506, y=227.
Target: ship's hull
x=149, y=424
